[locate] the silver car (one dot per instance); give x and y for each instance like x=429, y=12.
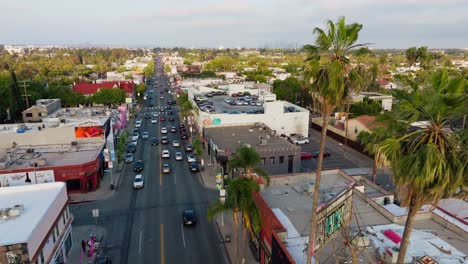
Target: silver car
x=129, y=158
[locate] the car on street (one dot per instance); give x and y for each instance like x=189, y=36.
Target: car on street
x=154, y=141
x=162, y=97
x=145, y=135
x=175, y=143
x=184, y=136
x=155, y=114
x=166, y=168
x=162, y=119
x=189, y=217
x=138, y=182
x=138, y=123
x=188, y=148
x=191, y=158
x=135, y=136
x=154, y=121
x=173, y=129
x=179, y=156
x=129, y=158
x=163, y=130
x=138, y=166
x=305, y=155
x=299, y=140
x=181, y=125
x=171, y=119
x=194, y=167
x=317, y=153
x=134, y=141
x=165, y=154
x=131, y=148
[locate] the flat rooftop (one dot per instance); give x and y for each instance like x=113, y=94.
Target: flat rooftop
x=232, y=137
x=37, y=199
x=50, y=155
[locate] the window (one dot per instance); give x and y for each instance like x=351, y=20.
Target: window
x=281, y=159
x=54, y=238
x=272, y=160
x=262, y=162
x=29, y=114
x=63, y=218
x=42, y=257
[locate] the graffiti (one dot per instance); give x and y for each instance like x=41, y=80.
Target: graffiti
x=334, y=221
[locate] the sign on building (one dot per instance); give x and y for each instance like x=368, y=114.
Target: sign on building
x=24, y=178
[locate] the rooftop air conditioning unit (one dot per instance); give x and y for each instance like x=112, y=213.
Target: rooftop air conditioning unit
x=74, y=143
x=267, y=136
x=16, y=210
x=262, y=142
x=30, y=150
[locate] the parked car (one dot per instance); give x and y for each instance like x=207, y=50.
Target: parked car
x=138, y=166
x=317, y=153
x=305, y=155
x=194, y=167
x=179, y=156
x=129, y=158
x=165, y=154
x=131, y=148
x=138, y=181
x=145, y=135
x=166, y=168
x=135, y=136
x=299, y=140
x=191, y=158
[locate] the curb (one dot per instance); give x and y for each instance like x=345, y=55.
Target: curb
x=226, y=252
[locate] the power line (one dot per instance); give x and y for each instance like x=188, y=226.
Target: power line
x=26, y=95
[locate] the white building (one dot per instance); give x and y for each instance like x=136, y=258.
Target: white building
x=386, y=100
x=35, y=224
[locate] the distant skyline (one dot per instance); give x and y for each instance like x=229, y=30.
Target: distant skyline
x=209, y=23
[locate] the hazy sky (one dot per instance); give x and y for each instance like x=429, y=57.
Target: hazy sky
x=231, y=23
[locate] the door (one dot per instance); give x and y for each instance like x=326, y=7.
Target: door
x=290, y=163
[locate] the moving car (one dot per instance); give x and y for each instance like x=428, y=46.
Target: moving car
x=188, y=148
x=138, y=166
x=165, y=154
x=184, y=136
x=175, y=143
x=164, y=140
x=179, y=156
x=166, y=168
x=129, y=158
x=194, y=167
x=154, y=121
x=173, y=129
x=138, y=181
x=145, y=135
x=135, y=136
x=305, y=155
x=189, y=217
x=171, y=119
x=154, y=141
x=317, y=153
x=163, y=130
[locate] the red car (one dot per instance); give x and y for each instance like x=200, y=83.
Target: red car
x=162, y=119
x=305, y=155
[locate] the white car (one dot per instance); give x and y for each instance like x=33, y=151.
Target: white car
x=135, y=141
x=145, y=135
x=164, y=130
x=138, y=182
x=154, y=121
x=179, y=156
x=191, y=158
x=299, y=140
x=155, y=114
x=165, y=154
x=175, y=143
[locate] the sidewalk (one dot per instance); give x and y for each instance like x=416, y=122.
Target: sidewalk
x=245, y=254
x=208, y=172
x=103, y=191
x=80, y=233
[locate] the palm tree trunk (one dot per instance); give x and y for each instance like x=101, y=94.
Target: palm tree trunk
x=236, y=225
x=413, y=209
x=374, y=170
x=244, y=234
x=346, y=131
x=315, y=199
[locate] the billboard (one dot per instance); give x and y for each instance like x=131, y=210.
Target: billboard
x=24, y=178
x=89, y=132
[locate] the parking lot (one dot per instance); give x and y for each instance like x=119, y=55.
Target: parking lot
x=223, y=107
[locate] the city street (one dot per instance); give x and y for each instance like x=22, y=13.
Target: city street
x=145, y=225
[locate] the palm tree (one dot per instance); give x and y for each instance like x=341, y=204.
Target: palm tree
x=248, y=159
x=327, y=70
x=239, y=199
x=371, y=141
x=430, y=162
x=412, y=56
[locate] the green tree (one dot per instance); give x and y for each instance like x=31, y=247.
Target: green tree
x=121, y=144
x=412, y=56
x=239, y=199
x=109, y=97
x=366, y=107
x=197, y=147
x=327, y=70
x=288, y=90
x=149, y=69
x=430, y=162
x=140, y=89
x=248, y=159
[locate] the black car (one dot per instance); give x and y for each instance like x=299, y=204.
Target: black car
x=168, y=107
x=189, y=217
x=154, y=141
x=164, y=140
x=171, y=119
x=131, y=148
x=136, y=131
x=194, y=167
x=138, y=166
x=181, y=125
x=169, y=112
x=317, y=153
x=147, y=116
x=184, y=136
x=188, y=148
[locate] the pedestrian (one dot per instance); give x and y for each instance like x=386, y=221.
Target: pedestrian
x=83, y=245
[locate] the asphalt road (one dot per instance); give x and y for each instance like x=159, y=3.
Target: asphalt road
x=145, y=225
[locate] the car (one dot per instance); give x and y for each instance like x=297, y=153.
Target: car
x=155, y=114
x=131, y=148
x=188, y=148
x=162, y=97
x=138, y=182
x=305, y=155
x=138, y=166
x=179, y=156
x=168, y=107
x=147, y=116
x=191, y=158
x=175, y=143
x=181, y=125
x=162, y=119
x=136, y=130
x=317, y=153
x=184, y=136
x=154, y=121
x=164, y=140
x=171, y=119
x=145, y=135
x=299, y=140
x=165, y=154
x=189, y=217
x=129, y=158
x=135, y=136
x=138, y=125
x=194, y=167
x=166, y=168
x=169, y=112
x=173, y=129
x=163, y=130
x=154, y=141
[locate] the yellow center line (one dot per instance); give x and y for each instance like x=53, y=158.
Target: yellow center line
x=162, y=243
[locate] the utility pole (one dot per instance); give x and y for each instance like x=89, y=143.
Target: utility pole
x=26, y=95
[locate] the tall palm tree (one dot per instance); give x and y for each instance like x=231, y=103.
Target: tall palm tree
x=327, y=69
x=248, y=159
x=371, y=141
x=239, y=199
x=412, y=56
x=430, y=162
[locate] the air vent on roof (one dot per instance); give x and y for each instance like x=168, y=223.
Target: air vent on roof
x=30, y=150
x=262, y=142
x=74, y=143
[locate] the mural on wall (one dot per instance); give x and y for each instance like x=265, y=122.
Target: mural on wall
x=25, y=178
x=89, y=131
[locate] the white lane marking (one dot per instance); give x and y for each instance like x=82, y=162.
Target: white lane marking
x=183, y=236
x=139, y=246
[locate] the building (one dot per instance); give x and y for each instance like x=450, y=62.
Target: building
x=386, y=100
x=355, y=125
x=278, y=156
x=188, y=69
x=35, y=224
x=41, y=109
x=387, y=84
x=88, y=89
